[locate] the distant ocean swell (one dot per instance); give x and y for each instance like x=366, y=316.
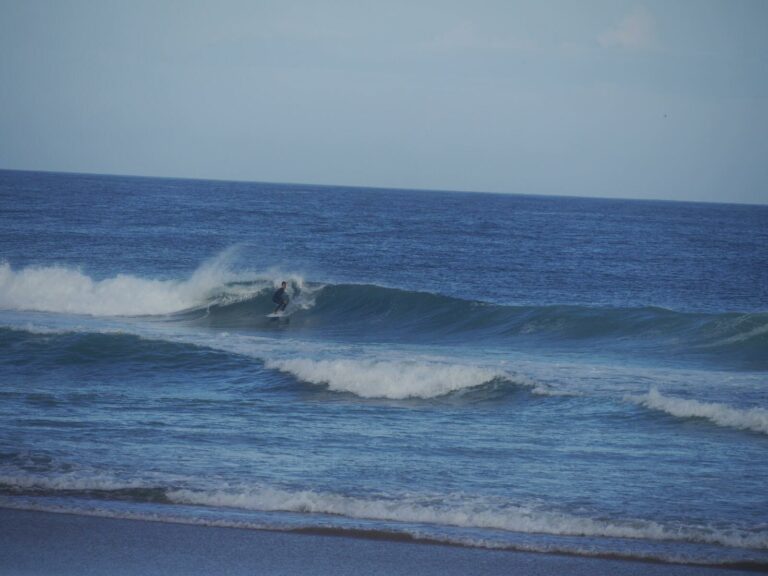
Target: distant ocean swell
x=216, y=297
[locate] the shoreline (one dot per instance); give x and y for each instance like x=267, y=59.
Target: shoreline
x=61, y=543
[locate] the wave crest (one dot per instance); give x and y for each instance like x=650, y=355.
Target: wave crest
x=387, y=379
x=754, y=419
x=219, y=296
x=68, y=290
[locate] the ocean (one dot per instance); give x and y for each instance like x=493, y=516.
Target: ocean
x=556, y=374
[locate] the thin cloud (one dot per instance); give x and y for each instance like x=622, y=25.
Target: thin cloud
x=465, y=37
x=636, y=31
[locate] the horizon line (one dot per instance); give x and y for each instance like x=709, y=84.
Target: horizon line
x=387, y=188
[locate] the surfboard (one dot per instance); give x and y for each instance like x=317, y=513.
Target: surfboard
x=278, y=316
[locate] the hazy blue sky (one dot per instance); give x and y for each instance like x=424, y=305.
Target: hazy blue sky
x=659, y=99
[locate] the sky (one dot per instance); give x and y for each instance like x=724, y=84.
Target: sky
x=633, y=99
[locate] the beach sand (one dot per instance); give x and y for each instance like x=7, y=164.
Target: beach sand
x=42, y=543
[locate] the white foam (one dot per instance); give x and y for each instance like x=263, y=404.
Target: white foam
x=464, y=513
x=60, y=289
x=69, y=481
x=451, y=510
x=387, y=378
x=755, y=419
x=68, y=290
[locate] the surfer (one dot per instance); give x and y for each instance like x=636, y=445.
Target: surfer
x=280, y=298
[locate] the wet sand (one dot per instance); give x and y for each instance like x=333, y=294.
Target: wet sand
x=48, y=544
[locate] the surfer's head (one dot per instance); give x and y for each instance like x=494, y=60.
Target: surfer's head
x=284, y=284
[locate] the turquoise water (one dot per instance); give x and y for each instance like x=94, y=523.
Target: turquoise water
x=556, y=374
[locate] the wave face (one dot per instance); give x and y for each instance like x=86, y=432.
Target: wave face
x=374, y=312
x=217, y=297
x=452, y=318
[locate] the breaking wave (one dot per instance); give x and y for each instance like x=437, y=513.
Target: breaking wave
x=69, y=290
x=218, y=296
x=754, y=419
x=447, y=510
x=388, y=379
x=462, y=512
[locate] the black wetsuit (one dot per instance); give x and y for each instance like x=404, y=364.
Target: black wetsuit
x=280, y=299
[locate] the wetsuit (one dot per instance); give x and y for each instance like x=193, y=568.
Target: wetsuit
x=281, y=299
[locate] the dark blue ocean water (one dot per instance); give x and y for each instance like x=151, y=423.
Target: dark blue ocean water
x=556, y=374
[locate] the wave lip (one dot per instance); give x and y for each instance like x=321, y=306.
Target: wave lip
x=215, y=286
x=68, y=290
x=754, y=419
x=387, y=379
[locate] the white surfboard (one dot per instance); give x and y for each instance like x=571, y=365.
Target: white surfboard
x=277, y=315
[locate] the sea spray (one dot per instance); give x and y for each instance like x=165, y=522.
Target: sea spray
x=69, y=290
